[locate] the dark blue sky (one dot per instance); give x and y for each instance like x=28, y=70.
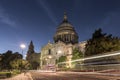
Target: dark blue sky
x=24, y=20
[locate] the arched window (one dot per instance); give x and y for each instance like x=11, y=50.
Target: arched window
x=49, y=51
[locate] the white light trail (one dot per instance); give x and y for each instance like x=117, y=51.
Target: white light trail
x=93, y=57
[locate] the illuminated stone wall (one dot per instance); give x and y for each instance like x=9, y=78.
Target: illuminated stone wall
x=52, y=51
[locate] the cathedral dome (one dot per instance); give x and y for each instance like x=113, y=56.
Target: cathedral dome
x=66, y=32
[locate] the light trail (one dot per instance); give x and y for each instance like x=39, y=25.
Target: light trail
x=93, y=57
x=101, y=65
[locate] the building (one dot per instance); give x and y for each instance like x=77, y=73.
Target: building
x=65, y=40
x=32, y=57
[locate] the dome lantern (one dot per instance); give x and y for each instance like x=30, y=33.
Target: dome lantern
x=65, y=17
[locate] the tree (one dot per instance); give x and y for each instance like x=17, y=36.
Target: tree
x=16, y=55
x=7, y=57
x=0, y=61
x=16, y=64
x=20, y=64
x=61, y=59
x=77, y=54
x=101, y=43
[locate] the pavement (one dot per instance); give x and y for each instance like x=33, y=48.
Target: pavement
x=22, y=76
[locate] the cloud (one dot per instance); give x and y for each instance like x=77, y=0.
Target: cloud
x=5, y=18
x=47, y=10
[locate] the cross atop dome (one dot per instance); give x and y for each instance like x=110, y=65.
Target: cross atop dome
x=65, y=17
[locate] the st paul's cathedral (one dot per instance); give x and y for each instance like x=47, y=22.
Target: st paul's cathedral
x=65, y=41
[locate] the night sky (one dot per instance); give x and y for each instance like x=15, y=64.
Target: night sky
x=24, y=20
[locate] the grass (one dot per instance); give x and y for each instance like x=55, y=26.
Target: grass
x=7, y=74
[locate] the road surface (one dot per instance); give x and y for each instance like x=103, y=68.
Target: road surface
x=72, y=76
x=36, y=75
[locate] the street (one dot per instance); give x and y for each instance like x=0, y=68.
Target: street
x=72, y=76
x=36, y=75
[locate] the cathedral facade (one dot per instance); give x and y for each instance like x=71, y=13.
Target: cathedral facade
x=65, y=40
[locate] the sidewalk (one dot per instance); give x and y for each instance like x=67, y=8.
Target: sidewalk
x=21, y=76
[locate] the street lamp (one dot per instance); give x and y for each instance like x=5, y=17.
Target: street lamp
x=59, y=51
x=49, y=56
x=22, y=46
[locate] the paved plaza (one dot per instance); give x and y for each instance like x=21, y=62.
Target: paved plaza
x=21, y=76
x=35, y=75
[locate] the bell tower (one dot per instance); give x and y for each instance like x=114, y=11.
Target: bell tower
x=30, y=49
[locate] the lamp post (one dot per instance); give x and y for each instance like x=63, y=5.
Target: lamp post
x=49, y=56
x=59, y=52
x=22, y=46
